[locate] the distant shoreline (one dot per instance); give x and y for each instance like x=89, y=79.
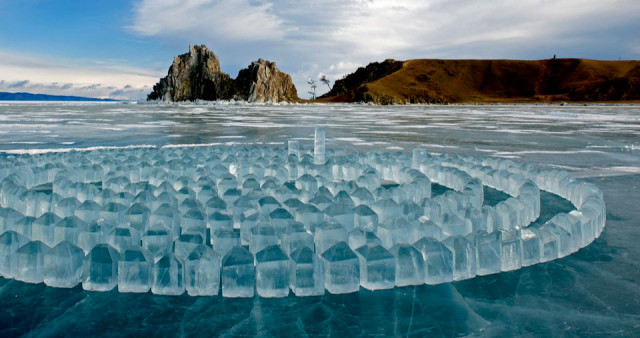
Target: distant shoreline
x=25, y=97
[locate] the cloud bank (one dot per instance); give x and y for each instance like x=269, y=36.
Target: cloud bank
x=21, y=73
x=309, y=37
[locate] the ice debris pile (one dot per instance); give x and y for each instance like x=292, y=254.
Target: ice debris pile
x=249, y=218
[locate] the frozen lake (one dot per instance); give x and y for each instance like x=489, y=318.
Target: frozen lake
x=592, y=292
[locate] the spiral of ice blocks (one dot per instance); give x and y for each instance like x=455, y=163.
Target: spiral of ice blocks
x=247, y=219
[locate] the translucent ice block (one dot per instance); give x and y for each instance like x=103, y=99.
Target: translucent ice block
x=272, y=272
x=168, y=276
x=409, y=265
x=134, y=270
x=531, y=246
x=202, y=272
x=10, y=242
x=306, y=273
x=100, y=268
x=185, y=244
x=489, y=252
x=377, y=267
x=223, y=240
x=238, y=273
x=318, y=146
x=158, y=241
x=328, y=234
x=464, y=257
x=68, y=229
x=295, y=236
x=29, y=262
x=341, y=269
x=438, y=260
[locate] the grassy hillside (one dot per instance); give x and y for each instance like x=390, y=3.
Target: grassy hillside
x=490, y=81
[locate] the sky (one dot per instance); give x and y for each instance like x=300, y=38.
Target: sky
x=120, y=48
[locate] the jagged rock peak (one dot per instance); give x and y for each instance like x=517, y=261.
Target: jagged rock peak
x=194, y=75
x=197, y=75
x=262, y=81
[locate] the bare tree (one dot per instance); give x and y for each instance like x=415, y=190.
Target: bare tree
x=312, y=84
x=326, y=81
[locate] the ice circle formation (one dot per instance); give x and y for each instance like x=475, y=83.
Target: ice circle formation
x=245, y=219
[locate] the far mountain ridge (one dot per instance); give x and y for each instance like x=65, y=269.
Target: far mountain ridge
x=21, y=96
x=489, y=81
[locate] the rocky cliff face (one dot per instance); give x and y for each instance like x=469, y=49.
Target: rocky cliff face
x=262, y=81
x=194, y=75
x=197, y=75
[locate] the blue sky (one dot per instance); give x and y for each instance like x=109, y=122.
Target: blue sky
x=119, y=48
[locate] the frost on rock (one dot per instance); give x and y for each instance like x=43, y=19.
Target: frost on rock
x=240, y=220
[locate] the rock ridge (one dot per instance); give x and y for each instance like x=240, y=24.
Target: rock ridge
x=445, y=81
x=196, y=75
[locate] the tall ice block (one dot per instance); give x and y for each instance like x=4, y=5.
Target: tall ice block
x=318, y=146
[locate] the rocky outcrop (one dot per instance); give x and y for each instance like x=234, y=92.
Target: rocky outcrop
x=196, y=75
x=262, y=81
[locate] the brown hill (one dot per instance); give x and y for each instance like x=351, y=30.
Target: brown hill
x=490, y=81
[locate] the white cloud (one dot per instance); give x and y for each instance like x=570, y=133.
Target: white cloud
x=87, y=90
x=222, y=19
x=71, y=77
x=306, y=37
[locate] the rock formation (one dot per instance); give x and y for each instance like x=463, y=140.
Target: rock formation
x=262, y=81
x=194, y=75
x=197, y=75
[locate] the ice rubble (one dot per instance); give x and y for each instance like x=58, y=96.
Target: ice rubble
x=241, y=219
